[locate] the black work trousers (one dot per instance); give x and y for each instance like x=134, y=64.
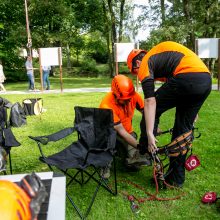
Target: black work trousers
x=187, y=93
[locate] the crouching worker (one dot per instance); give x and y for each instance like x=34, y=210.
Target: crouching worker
x=21, y=201
x=123, y=100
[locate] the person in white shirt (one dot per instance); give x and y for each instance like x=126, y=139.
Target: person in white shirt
x=2, y=77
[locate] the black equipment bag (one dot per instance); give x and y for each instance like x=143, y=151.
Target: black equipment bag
x=17, y=115
x=33, y=106
x=7, y=138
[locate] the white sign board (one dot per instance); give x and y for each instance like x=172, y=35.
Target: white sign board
x=122, y=51
x=23, y=53
x=50, y=56
x=208, y=47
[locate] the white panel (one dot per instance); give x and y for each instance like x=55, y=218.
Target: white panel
x=122, y=51
x=50, y=56
x=208, y=48
x=35, y=53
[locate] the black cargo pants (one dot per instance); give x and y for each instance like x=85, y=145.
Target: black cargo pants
x=187, y=93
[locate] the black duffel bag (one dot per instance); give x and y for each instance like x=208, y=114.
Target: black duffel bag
x=17, y=116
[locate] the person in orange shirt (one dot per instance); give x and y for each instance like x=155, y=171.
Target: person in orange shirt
x=123, y=100
x=187, y=85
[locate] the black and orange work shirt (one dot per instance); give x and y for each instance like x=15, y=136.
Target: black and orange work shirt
x=166, y=60
x=123, y=113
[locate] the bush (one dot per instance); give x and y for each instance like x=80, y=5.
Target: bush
x=88, y=68
x=15, y=75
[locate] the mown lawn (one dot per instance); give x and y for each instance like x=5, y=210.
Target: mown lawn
x=60, y=114
x=70, y=82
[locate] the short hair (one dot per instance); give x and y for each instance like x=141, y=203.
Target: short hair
x=138, y=57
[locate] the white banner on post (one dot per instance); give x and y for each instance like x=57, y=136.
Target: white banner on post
x=50, y=56
x=122, y=51
x=208, y=47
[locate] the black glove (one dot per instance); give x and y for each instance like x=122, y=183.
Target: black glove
x=36, y=190
x=142, y=149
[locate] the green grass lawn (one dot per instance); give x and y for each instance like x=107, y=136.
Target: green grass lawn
x=60, y=114
x=71, y=83
x=68, y=83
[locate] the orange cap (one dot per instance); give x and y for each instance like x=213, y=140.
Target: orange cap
x=122, y=87
x=131, y=56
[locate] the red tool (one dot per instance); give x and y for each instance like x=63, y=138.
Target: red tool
x=134, y=207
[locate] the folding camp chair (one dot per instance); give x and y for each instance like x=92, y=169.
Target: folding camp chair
x=7, y=138
x=92, y=152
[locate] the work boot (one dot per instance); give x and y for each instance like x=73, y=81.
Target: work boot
x=174, y=184
x=132, y=168
x=138, y=160
x=105, y=172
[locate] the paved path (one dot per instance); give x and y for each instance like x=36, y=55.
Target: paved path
x=79, y=90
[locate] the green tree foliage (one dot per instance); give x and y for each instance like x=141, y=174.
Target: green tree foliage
x=46, y=20
x=89, y=28
x=96, y=47
x=182, y=21
x=12, y=32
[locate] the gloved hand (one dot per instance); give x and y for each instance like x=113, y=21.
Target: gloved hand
x=142, y=149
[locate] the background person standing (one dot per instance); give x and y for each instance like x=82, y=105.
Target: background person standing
x=30, y=72
x=2, y=77
x=46, y=73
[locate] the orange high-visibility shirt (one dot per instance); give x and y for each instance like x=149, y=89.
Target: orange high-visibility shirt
x=123, y=114
x=168, y=59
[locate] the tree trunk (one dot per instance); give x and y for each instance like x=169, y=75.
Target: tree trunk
x=121, y=20
x=68, y=57
x=113, y=33
x=190, y=41
x=162, y=9
x=108, y=36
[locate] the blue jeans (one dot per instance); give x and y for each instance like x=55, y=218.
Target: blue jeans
x=46, y=82
x=30, y=81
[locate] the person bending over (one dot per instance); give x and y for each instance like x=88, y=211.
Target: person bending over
x=187, y=85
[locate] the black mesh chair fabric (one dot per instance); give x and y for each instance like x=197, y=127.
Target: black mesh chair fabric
x=94, y=148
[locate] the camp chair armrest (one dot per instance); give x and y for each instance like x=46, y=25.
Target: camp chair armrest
x=53, y=137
